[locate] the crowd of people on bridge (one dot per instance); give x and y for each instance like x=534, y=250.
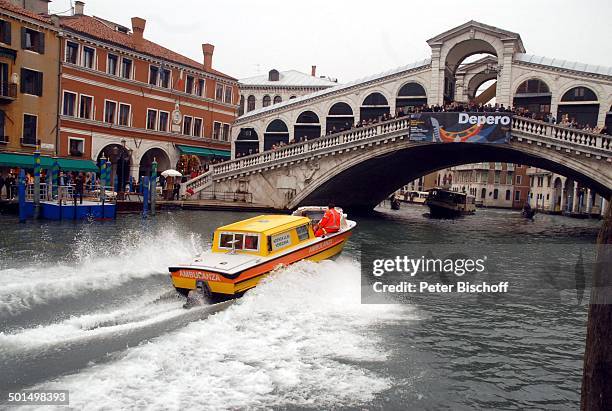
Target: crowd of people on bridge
x=454, y=107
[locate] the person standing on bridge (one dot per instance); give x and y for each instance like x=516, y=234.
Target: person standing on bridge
x=330, y=223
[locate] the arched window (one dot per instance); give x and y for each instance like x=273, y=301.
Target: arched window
x=251, y=103
x=579, y=94
x=340, y=117
x=374, y=107
x=533, y=95
x=410, y=94
x=266, y=100
x=307, y=126
x=277, y=99
x=276, y=134
x=247, y=142
x=292, y=97
x=532, y=86
x=579, y=105
x=241, y=108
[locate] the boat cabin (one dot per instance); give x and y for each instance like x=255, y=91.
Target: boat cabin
x=264, y=235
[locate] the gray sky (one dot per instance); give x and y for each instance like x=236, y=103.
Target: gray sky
x=351, y=39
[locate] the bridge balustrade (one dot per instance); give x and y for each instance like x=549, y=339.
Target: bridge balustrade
x=527, y=126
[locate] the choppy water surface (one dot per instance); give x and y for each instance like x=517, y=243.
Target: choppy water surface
x=88, y=307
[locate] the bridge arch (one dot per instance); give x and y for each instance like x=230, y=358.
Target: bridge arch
x=373, y=106
x=534, y=94
x=340, y=116
x=580, y=102
x=247, y=142
x=391, y=168
x=478, y=80
x=410, y=94
x=276, y=133
x=307, y=126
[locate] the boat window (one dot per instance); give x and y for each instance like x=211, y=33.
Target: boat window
x=302, y=232
x=251, y=242
x=239, y=241
x=226, y=240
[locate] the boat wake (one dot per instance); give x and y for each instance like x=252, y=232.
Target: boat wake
x=301, y=338
x=94, y=266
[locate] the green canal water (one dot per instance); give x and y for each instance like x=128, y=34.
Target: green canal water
x=88, y=307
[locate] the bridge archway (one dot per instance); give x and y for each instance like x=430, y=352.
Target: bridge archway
x=411, y=94
x=340, y=117
x=459, y=53
x=307, y=126
x=247, y=142
x=477, y=81
x=375, y=105
x=579, y=103
x=533, y=95
x=276, y=133
x=392, y=168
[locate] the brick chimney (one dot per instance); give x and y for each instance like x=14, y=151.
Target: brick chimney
x=79, y=8
x=208, y=50
x=138, y=28
x=313, y=71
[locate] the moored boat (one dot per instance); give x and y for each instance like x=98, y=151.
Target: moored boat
x=449, y=204
x=244, y=252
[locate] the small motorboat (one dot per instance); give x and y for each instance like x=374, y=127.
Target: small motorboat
x=246, y=251
x=449, y=204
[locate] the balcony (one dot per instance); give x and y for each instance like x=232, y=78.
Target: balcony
x=8, y=92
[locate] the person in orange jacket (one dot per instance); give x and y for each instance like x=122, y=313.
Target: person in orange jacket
x=330, y=223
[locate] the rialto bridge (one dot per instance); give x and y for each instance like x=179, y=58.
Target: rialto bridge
x=359, y=167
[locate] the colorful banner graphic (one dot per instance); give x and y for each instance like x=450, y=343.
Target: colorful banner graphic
x=450, y=127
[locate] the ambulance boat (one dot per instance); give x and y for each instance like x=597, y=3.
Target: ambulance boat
x=246, y=251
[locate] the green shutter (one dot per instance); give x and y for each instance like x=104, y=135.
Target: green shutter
x=6, y=28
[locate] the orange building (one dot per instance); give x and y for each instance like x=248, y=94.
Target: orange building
x=131, y=100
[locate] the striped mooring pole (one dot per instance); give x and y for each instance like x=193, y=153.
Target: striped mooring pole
x=22, y=197
x=153, y=185
x=145, y=196
x=102, y=176
x=108, y=173
x=54, y=177
x=37, y=182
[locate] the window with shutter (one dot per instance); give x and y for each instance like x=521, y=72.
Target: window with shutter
x=31, y=82
x=5, y=32
x=32, y=40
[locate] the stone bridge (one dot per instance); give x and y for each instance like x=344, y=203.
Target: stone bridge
x=361, y=167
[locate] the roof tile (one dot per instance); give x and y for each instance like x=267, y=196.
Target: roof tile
x=7, y=5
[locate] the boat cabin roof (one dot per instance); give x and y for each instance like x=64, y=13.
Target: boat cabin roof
x=266, y=224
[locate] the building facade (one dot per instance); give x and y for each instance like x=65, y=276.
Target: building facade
x=29, y=53
x=133, y=101
x=492, y=184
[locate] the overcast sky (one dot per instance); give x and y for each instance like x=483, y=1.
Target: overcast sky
x=349, y=39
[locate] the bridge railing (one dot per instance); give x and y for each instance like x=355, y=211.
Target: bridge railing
x=527, y=126
x=567, y=135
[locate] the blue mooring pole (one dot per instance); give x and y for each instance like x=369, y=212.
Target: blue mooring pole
x=153, y=185
x=54, y=178
x=102, y=177
x=22, y=197
x=37, y=183
x=145, y=196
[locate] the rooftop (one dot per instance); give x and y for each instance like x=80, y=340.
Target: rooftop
x=340, y=87
x=105, y=31
x=289, y=78
x=563, y=64
x=7, y=5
